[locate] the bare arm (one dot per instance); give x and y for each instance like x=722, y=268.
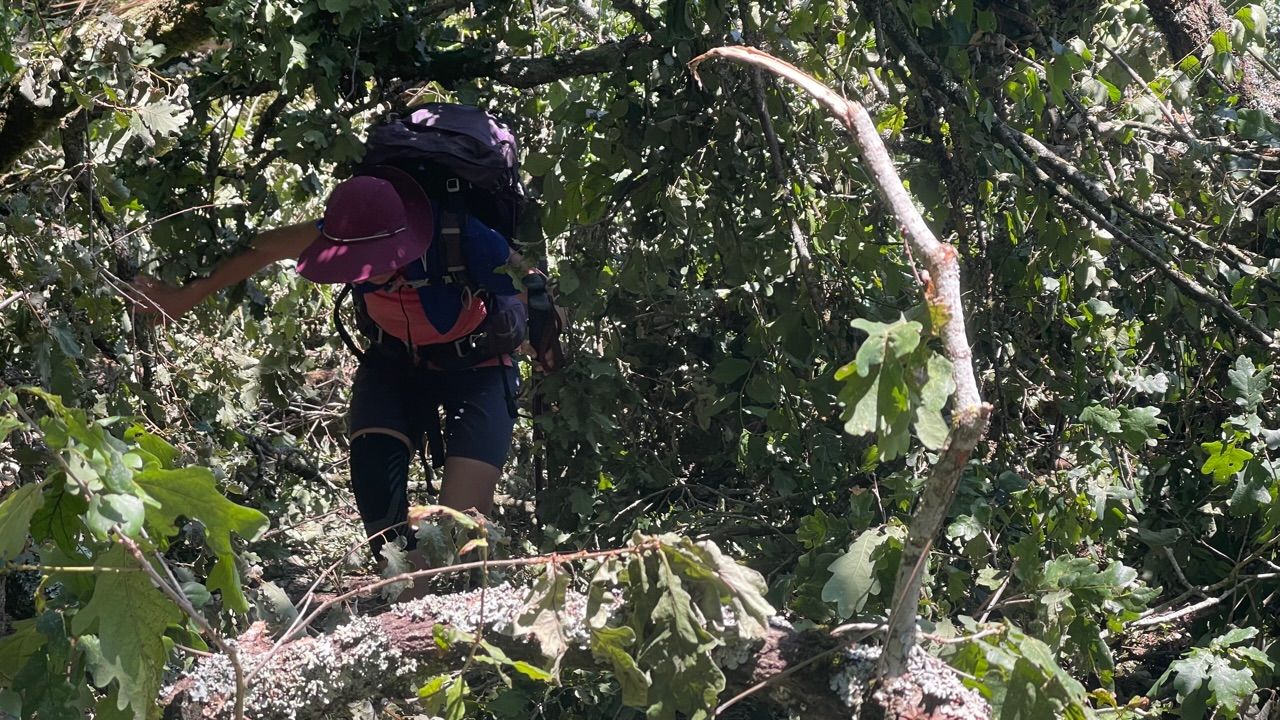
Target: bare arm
x=268, y=247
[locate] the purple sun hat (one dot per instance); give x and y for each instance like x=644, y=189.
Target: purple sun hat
x=374, y=224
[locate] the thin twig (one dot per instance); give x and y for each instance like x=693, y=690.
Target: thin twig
x=1160, y=103
x=990, y=604
x=305, y=601
x=938, y=639
x=1177, y=569
x=54, y=569
x=1193, y=609
x=180, y=599
x=554, y=559
x=12, y=299
x=157, y=221
x=193, y=651
x=314, y=518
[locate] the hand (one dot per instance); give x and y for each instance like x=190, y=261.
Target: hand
x=540, y=364
x=157, y=298
x=527, y=350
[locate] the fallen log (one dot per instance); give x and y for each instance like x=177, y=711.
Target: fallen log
x=388, y=656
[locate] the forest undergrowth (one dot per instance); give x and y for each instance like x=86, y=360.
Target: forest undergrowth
x=759, y=383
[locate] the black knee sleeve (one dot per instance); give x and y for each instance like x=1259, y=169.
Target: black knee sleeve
x=379, y=479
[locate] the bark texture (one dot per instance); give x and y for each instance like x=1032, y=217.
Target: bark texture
x=1187, y=26
x=384, y=656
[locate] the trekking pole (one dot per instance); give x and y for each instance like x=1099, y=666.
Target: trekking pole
x=538, y=407
x=545, y=325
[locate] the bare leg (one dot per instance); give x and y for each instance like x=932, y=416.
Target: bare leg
x=469, y=484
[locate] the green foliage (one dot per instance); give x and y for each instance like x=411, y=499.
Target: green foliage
x=445, y=696
x=15, y=518
x=191, y=493
x=865, y=571
x=896, y=380
x=1218, y=680
x=679, y=601
x=99, y=492
x=1082, y=604
x=1018, y=675
x=1134, y=429
x=122, y=628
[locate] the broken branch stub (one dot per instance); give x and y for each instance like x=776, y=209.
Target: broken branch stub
x=942, y=293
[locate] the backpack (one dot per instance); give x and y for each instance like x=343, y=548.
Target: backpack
x=467, y=161
x=456, y=151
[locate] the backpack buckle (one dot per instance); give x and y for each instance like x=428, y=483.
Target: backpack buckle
x=467, y=343
x=453, y=185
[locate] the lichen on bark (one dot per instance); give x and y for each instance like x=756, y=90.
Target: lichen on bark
x=383, y=656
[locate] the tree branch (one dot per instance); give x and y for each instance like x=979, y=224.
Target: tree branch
x=531, y=72
x=1097, y=205
x=942, y=293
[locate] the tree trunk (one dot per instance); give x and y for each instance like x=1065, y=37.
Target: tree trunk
x=1187, y=26
x=386, y=656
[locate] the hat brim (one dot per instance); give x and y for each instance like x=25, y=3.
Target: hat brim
x=328, y=261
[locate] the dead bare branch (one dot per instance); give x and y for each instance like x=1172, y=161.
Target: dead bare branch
x=942, y=293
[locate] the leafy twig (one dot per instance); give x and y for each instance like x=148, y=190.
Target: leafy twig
x=942, y=294
x=180, y=599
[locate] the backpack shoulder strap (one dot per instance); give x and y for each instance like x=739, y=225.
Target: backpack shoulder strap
x=455, y=259
x=340, y=326
x=453, y=219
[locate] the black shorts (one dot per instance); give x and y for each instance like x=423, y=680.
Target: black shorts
x=390, y=392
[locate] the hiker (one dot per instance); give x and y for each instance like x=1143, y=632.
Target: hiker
x=440, y=319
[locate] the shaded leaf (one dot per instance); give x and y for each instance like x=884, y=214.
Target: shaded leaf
x=129, y=616
x=1248, y=381
x=59, y=519
x=191, y=492
x=543, y=616
x=15, y=518
x=854, y=578
x=730, y=370
x=1101, y=419
x=21, y=643
x=610, y=645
